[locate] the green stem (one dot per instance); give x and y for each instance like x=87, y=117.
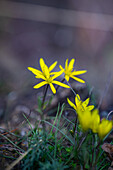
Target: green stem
x=44, y=96
x=71, y=88
x=74, y=92
x=42, y=114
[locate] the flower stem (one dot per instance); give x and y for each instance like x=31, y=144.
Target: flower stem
x=42, y=114
x=71, y=88
x=44, y=96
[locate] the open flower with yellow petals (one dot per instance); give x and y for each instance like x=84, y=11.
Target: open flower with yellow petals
x=47, y=76
x=89, y=119
x=69, y=73
x=80, y=105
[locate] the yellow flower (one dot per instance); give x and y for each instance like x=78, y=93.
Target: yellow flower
x=80, y=106
x=69, y=73
x=47, y=76
x=104, y=128
x=90, y=120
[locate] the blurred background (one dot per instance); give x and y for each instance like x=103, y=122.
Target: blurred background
x=54, y=30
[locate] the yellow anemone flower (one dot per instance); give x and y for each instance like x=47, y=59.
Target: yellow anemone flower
x=80, y=106
x=104, y=128
x=47, y=76
x=69, y=73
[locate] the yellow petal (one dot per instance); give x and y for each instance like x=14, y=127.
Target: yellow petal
x=60, y=84
x=90, y=107
x=67, y=77
x=85, y=120
x=46, y=71
x=40, y=76
x=52, y=73
x=95, y=121
x=57, y=74
x=40, y=85
x=77, y=100
x=66, y=64
x=75, y=73
x=52, y=66
x=86, y=102
x=71, y=104
x=61, y=67
x=95, y=112
x=34, y=71
x=71, y=64
x=77, y=79
x=42, y=63
x=52, y=88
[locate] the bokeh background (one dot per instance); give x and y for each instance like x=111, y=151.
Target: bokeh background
x=54, y=30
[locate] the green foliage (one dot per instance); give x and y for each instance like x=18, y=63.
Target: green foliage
x=59, y=148
x=63, y=146
x=41, y=154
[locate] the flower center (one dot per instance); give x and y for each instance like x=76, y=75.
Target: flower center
x=67, y=72
x=80, y=106
x=49, y=80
